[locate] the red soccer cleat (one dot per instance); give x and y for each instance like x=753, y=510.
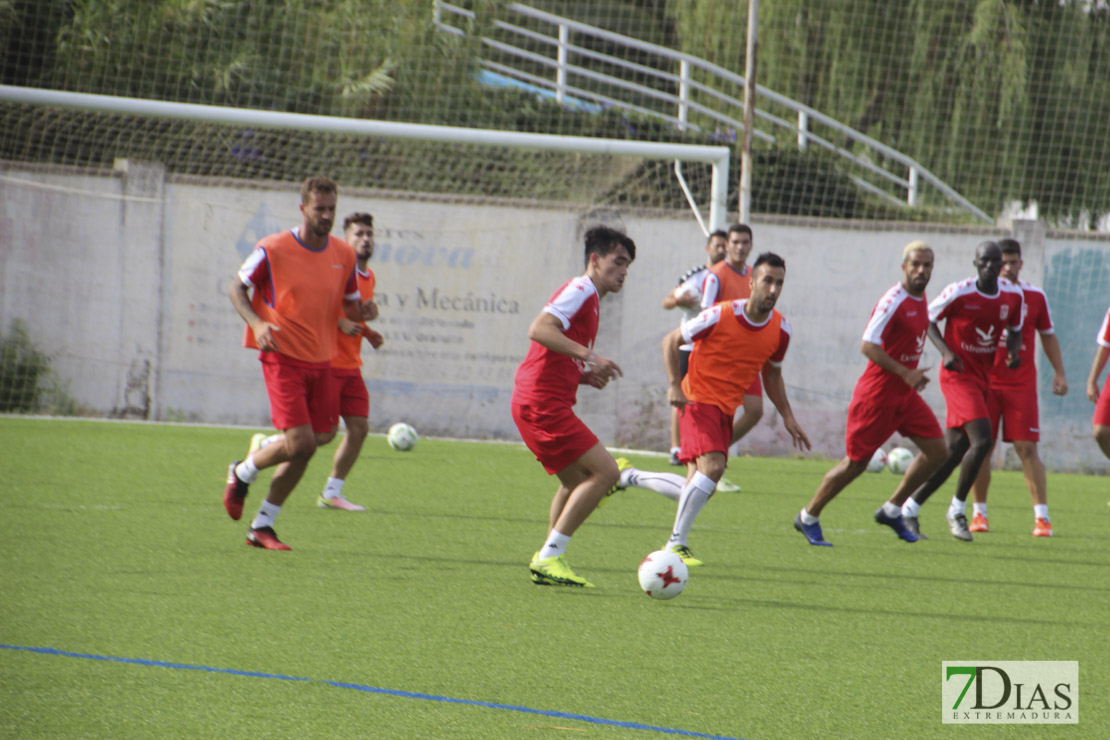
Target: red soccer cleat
x=266, y=538
x=235, y=493
x=1042, y=528
x=979, y=524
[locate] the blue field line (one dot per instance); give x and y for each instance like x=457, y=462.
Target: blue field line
x=373, y=690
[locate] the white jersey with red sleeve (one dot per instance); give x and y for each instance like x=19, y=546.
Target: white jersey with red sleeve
x=899, y=324
x=1035, y=319
x=547, y=378
x=975, y=323
x=1103, y=337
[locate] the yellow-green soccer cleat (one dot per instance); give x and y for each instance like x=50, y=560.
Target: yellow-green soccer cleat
x=686, y=554
x=554, y=571
x=622, y=465
x=256, y=443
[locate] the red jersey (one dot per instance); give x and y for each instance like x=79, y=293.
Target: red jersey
x=1035, y=319
x=545, y=377
x=298, y=289
x=724, y=282
x=348, y=351
x=1103, y=337
x=975, y=323
x=729, y=353
x=899, y=323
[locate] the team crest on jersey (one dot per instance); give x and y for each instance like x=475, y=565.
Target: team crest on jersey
x=1003, y=312
x=986, y=338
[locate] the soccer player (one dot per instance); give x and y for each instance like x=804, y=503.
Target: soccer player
x=887, y=398
x=1013, y=398
x=560, y=358
x=1100, y=423
x=298, y=278
x=734, y=341
x=976, y=312
x=730, y=280
x=354, y=402
x=687, y=296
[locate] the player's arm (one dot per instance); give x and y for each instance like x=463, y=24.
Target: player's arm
x=1013, y=348
x=1051, y=346
x=914, y=377
x=264, y=337
x=776, y=391
x=671, y=352
x=1096, y=369
x=357, y=310
x=948, y=357
x=547, y=330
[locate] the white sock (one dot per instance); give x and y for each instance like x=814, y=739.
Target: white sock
x=267, y=513
x=891, y=510
x=1041, y=511
x=695, y=494
x=957, y=507
x=808, y=518
x=270, y=440
x=556, y=545
x=667, y=484
x=333, y=488
x=675, y=450
x=980, y=508
x=911, y=508
x=246, y=471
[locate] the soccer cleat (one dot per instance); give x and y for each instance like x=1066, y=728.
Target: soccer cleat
x=622, y=465
x=726, y=486
x=554, y=571
x=812, y=532
x=914, y=526
x=897, y=524
x=957, y=525
x=1042, y=528
x=266, y=538
x=235, y=493
x=686, y=554
x=338, y=502
x=979, y=523
x=256, y=443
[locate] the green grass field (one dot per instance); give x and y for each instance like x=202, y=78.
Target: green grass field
x=121, y=576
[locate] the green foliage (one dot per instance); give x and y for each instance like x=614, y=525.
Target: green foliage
x=24, y=369
x=1003, y=100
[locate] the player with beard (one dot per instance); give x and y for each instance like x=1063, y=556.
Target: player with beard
x=887, y=399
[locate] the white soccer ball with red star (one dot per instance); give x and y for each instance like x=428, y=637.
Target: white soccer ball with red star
x=663, y=575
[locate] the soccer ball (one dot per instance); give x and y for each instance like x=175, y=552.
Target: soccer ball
x=663, y=575
x=878, y=462
x=402, y=437
x=898, y=460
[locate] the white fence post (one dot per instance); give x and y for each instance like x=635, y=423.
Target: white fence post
x=561, y=65
x=683, y=93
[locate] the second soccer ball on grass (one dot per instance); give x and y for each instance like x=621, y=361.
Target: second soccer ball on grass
x=402, y=437
x=898, y=460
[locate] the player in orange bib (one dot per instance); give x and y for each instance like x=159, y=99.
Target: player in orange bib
x=288, y=292
x=734, y=342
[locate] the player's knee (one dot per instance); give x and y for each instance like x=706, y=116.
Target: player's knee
x=1102, y=436
x=357, y=428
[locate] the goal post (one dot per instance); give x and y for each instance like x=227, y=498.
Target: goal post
x=716, y=157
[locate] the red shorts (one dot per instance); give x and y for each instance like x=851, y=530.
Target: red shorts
x=756, y=388
x=1016, y=408
x=351, y=391
x=1102, y=408
x=554, y=434
x=703, y=428
x=871, y=422
x=965, y=400
x=300, y=393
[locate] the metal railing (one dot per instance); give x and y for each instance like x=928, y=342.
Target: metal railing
x=670, y=88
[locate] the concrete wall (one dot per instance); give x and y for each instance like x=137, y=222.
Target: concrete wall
x=122, y=276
